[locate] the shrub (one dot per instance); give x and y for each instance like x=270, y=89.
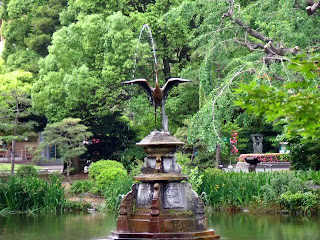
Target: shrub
x=280, y=183
x=110, y=175
x=113, y=183
x=27, y=170
x=204, y=159
x=305, y=156
x=183, y=160
x=299, y=202
x=195, y=179
x=115, y=191
x=136, y=170
x=81, y=186
x=310, y=176
x=97, y=167
x=109, y=179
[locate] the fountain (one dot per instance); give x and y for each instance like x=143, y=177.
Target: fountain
x=162, y=204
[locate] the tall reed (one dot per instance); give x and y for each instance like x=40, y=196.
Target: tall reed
x=30, y=194
x=239, y=189
x=232, y=188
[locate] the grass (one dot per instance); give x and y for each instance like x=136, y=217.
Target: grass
x=7, y=166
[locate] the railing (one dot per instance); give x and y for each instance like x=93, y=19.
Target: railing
x=20, y=155
x=40, y=171
x=4, y=154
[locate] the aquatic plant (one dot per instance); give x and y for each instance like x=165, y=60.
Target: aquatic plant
x=231, y=188
x=31, y=194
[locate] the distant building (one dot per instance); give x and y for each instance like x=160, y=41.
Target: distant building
x=25, y=149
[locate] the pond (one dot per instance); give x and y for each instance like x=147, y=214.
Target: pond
x=87, y=226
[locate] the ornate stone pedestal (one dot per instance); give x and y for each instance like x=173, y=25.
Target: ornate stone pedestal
x=162, y=205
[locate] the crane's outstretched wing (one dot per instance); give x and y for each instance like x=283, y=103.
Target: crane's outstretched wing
x=170, y=84
x=145, y=85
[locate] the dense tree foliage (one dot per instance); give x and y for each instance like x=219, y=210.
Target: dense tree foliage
x=235, y=56
x=27, y=29
x=253, y=46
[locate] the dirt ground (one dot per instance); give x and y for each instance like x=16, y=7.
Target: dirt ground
x=95, y=201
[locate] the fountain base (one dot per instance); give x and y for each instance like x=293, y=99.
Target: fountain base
x=205, y=235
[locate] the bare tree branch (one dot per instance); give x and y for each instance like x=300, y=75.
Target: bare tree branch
x=282, y=51
x=269, y=48
x=312, y=6
x=251, y=31
x=251, y=45
x=279, y=77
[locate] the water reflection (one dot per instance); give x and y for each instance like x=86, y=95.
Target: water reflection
x=96, y=226
x=257, y=227
x=83, y=226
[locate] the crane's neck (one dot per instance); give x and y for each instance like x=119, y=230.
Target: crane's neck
x=157, y=85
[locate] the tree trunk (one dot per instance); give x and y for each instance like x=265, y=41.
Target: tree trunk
x=166, y=68
x=68, y=172
x=76, y=164
x=13, y=151
x=193, y=153
x=218, y=155
x=13, y=147
x=166, y=61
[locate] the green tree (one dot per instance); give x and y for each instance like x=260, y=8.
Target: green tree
x=295, y=105
x=68, y=135
x=239, y=45
x=87, y=62
x=94, y=52
x=27, y=29
x=217, y=44
x=15, y=108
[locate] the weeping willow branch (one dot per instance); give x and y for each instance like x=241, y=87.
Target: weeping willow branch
x=220, y=94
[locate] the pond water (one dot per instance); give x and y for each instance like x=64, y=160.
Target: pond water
x=87, y=226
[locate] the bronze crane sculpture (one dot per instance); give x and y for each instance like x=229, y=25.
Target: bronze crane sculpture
x=157, y=95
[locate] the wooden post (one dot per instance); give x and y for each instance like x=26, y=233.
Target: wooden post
x=13, y=152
